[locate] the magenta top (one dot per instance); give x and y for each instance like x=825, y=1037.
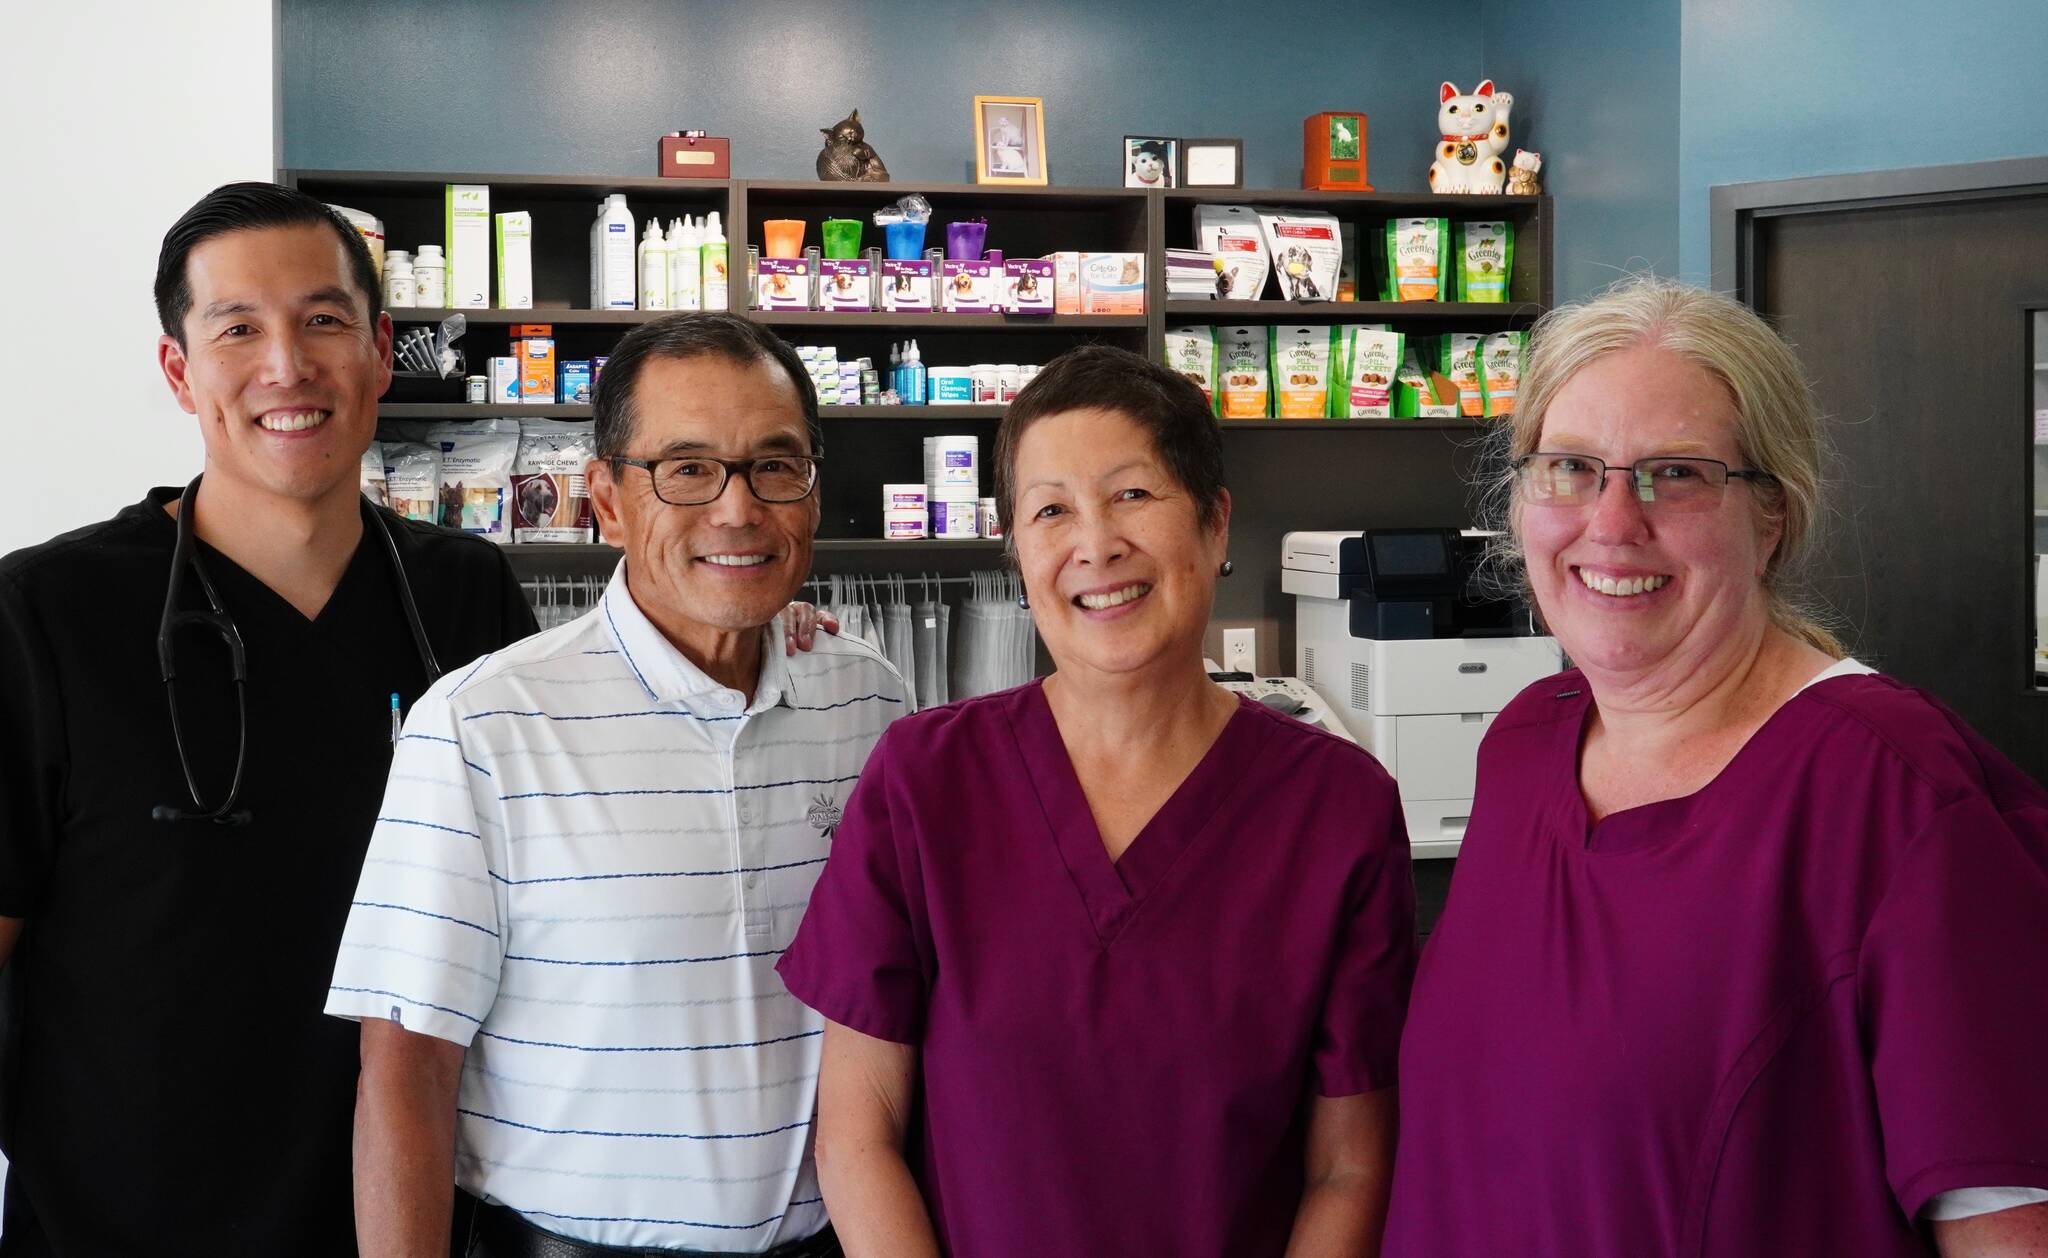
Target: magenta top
x=1775, y=1016
x=1115, y=1058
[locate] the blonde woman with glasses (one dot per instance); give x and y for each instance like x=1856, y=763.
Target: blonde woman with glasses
x=1744, y=952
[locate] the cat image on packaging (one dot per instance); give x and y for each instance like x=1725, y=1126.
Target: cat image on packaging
x=1233, y=235
x=1486, y=257
x=1192, y=353
x=1500, y=365
x=1301, y=371
x=1417, y=250
x=1242, y=362
x=1460, y=361
x=1372, y=358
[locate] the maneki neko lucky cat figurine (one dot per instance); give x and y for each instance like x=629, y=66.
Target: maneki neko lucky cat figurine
x=1475, y=134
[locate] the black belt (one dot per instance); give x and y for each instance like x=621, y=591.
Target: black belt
x=498, y=1232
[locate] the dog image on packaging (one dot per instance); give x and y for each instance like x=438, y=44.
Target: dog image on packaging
x=1192, y=353
x=1307, y=251
x=1243, y=360
x=1417, y=249
x=907, y=284
x=1301, y=371
x=536, y=356
x=550, y=498
x=1372, y=359
x=1233, y=235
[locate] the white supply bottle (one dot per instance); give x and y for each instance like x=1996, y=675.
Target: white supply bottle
x=653, y=268
x=685, y=266
x=597, y=255
x=430, y=277
x=616, y=259
x=399, y=287
x=717, y=273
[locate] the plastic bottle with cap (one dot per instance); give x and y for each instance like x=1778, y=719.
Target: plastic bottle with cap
x=913, y=376
x=430, y=276
x=399, y=288
x=717, y=289
x=653, y=268
x=685, y=266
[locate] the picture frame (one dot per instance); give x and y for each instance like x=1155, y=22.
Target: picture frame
x=1212, y=163
x=1151, y=161
x=1009, y=140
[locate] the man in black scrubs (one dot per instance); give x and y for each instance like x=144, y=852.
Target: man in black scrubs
x=171, y=1085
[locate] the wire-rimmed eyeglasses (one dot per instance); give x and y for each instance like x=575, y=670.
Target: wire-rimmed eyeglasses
x=1550, y=479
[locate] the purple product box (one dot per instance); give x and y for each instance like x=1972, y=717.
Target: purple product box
x=785, y=284
x=907, y=284
x=1027, y=286
x=969, y=287
x=845, y=284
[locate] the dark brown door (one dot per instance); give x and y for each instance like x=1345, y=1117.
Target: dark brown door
x=1908, y=317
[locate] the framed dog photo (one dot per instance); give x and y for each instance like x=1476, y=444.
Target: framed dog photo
x=1151, y=162
x=1212, y=163
x=1009, y=139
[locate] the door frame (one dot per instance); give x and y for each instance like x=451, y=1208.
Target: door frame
x=1737, y=210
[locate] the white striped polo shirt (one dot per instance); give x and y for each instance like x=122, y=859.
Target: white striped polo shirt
x=588, y=859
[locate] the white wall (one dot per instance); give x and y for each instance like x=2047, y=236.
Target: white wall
x=124, y=113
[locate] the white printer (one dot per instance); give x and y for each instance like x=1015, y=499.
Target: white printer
x=1390, y=632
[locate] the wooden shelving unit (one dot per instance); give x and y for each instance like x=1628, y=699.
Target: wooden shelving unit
x=1283, y=474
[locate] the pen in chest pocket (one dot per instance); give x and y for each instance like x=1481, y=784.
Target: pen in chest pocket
x=395, y=720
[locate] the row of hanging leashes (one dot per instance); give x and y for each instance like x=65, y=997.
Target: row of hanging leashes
x=988, y=645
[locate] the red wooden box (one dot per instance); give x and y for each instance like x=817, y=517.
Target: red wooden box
x=694, y=155
x=1333, y=152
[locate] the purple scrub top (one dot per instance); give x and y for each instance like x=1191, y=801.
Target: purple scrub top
x=1115, y=1058
x=1775, y=1016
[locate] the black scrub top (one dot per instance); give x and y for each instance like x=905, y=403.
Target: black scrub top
x=170, y=1083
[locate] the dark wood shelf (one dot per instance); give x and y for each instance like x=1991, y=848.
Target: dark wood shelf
x=806, y=191
x=1391, y=204
x=1460, y=424
x=949, y=413
x=481, y=410
x=1351, y=311
x=417, y=183
x=938, y=321
x=882, y=544
x=561, y=316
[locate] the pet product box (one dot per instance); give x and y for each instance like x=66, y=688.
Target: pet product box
x=1028, y=285
x=845, y=284
x=468, y=228
x=1066, y=282
x=533, y=344
x=515, y=260
x=1113, y=283
x=907, y=284
x=575, y=383
x=785, y=284
x=968, y=287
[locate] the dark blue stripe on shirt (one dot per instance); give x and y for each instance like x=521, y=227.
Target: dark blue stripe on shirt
x=676, y=873
x=654, y=1048
x=427, y=825
x=729, y=956
x=622, y=1218
x=634, y=1135
x=403, y=908
x=682, y=790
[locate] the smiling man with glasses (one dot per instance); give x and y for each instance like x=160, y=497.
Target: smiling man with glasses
x=595, y=845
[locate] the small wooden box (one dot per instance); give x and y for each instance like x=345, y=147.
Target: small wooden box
x=693, y=155
x=1333, y=152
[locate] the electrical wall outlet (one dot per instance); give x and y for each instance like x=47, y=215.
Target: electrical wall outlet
x=1240, y=650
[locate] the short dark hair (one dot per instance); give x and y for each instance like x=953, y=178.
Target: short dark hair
x=1166, y=404
x=689, y=335
x=234, y=207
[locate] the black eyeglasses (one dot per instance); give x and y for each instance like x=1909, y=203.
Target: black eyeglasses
x=1666, y=484
x=694, y=481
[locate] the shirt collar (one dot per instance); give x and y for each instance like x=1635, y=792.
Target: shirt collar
x=666, y=673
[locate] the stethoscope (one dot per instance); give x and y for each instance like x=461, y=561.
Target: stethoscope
x=186, y=556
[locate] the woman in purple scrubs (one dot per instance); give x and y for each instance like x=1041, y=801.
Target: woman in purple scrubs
x=1744, y=954
x=1113, y=963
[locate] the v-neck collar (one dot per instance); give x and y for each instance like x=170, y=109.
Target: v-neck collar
x=239, y=584
x=1113, y=891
